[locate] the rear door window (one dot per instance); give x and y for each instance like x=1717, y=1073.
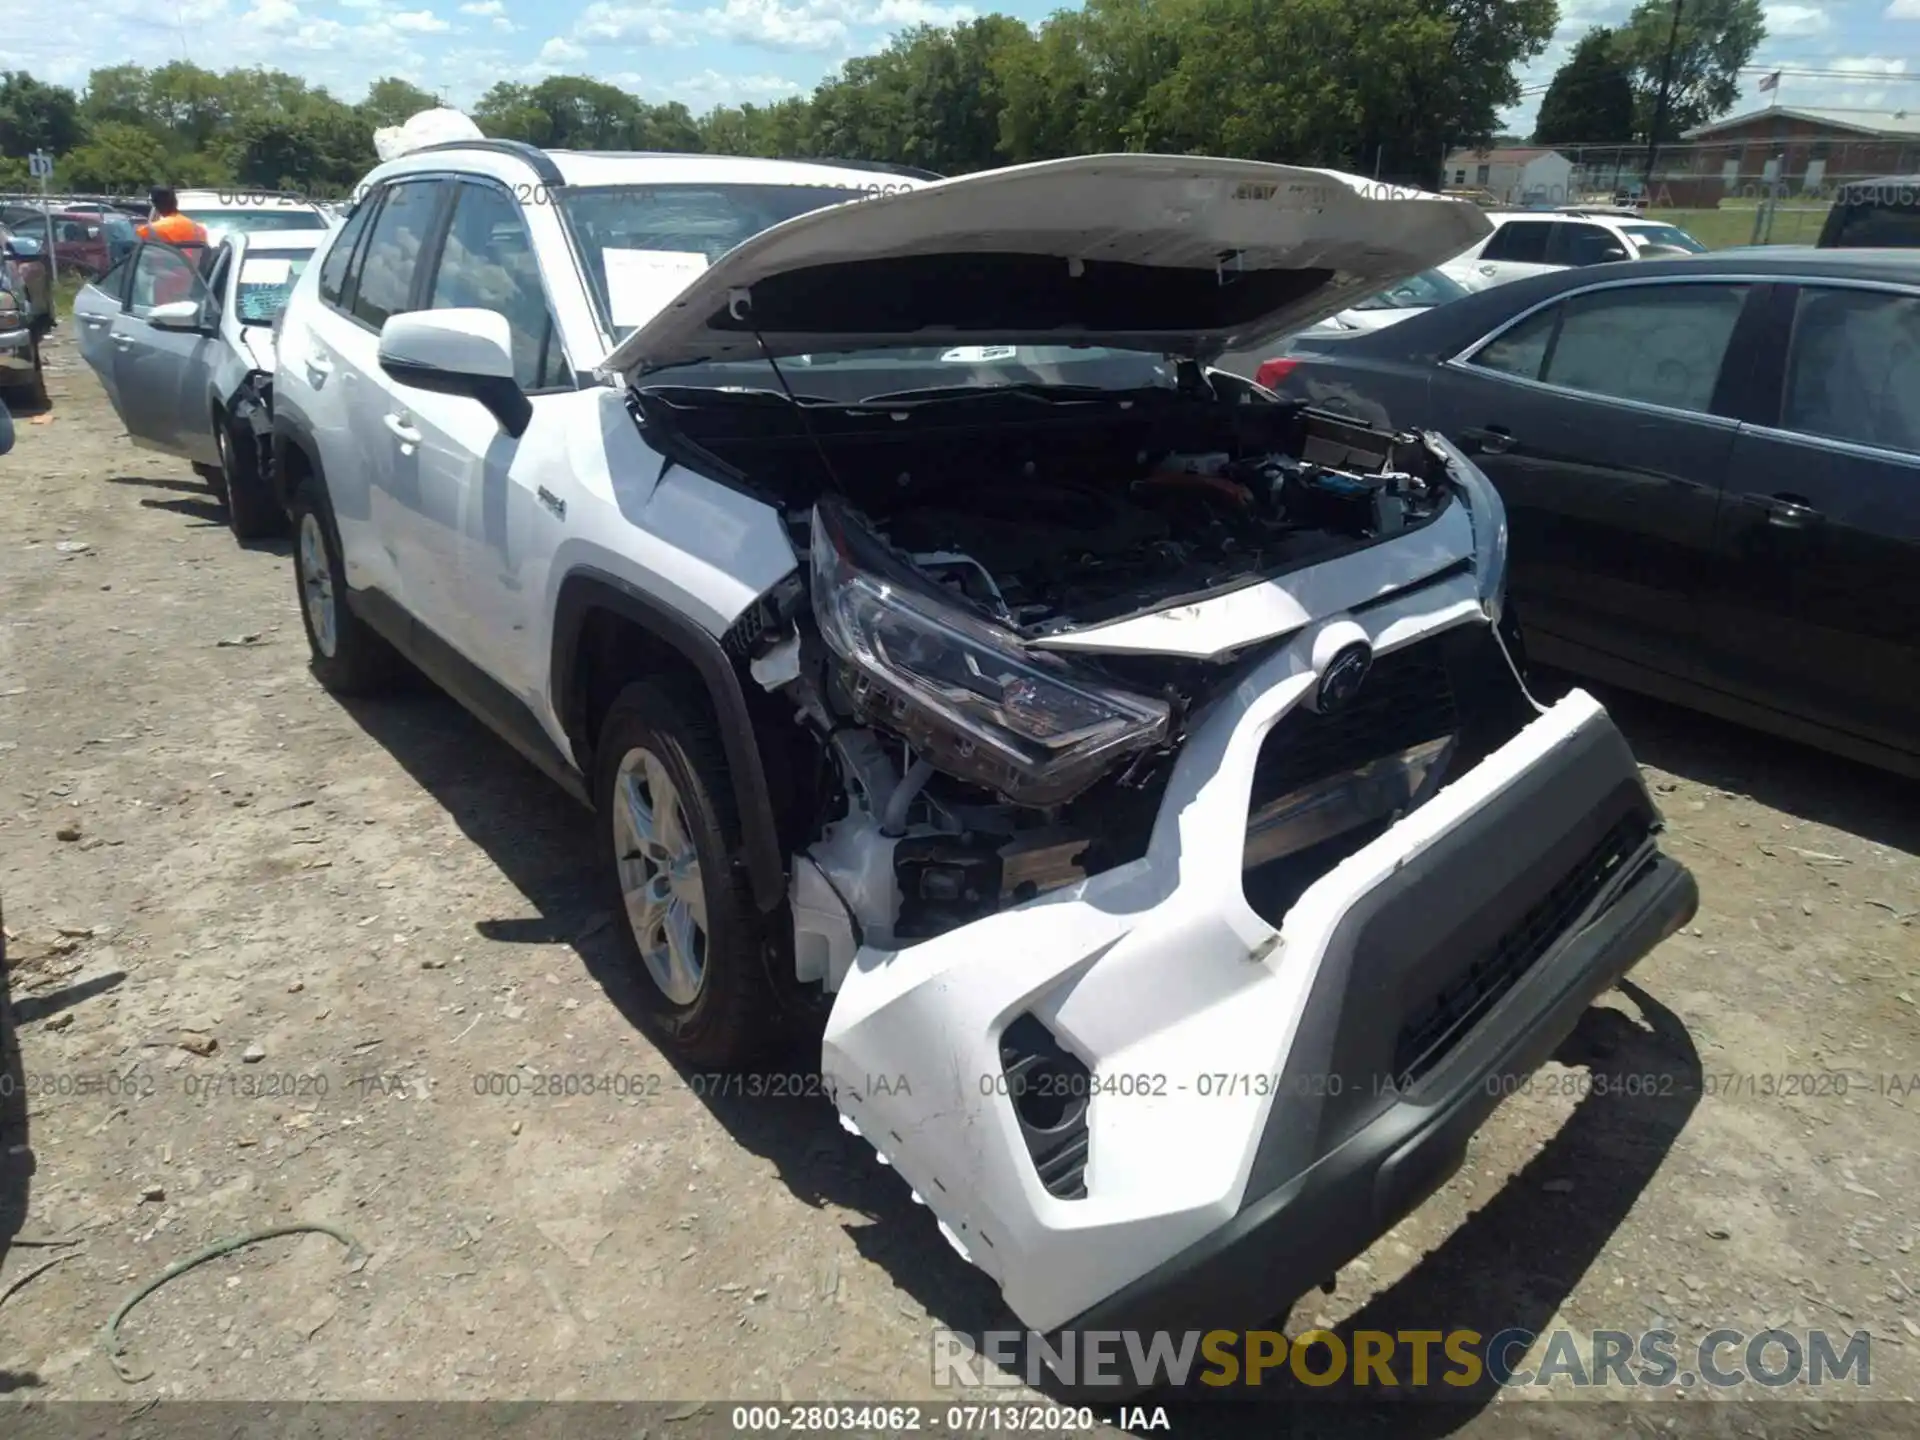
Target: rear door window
x=391, y=260
x=1853, y=369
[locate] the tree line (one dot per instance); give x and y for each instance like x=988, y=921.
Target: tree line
x=1382, y=87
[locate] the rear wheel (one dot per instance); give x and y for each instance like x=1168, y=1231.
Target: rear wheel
x=668, y=833
x=348, y=656
x=32, y=392
x=252, y=512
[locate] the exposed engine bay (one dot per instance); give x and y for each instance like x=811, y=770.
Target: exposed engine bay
x=963, y=769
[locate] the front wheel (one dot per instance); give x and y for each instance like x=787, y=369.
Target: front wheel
x=252, y=511
x=668, y=833
x=348, y=656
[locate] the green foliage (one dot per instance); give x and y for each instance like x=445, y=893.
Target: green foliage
x=1591, y=97
x=1716, y=38
x=393, y=101
x=117, y=158
x=35, y=116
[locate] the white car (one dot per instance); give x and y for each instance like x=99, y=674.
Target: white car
x=243, y=211
x=182, y=340
x=1411, y=296
x=1529, y=242
x=1128, y=764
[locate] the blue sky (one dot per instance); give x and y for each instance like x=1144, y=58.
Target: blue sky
x=708, y=52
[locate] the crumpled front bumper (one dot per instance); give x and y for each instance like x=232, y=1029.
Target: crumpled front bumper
x=1255, y=1118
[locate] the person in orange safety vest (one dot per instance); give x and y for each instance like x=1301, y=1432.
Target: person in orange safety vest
x=168, y=223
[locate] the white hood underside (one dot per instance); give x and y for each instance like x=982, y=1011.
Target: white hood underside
x=1149, y=250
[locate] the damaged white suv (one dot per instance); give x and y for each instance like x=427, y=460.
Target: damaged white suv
x=1130, y=762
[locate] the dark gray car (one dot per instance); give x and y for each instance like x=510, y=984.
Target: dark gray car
x=1711, y=469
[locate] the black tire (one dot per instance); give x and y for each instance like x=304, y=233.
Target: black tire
x=359, y=661
x=731, y=1019
x=32, y=395
x=252, y=511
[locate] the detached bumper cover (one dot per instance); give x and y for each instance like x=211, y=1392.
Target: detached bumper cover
x=1298, y=1234
x=1264, y=1102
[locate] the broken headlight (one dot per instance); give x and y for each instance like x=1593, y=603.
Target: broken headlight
x=961, y=690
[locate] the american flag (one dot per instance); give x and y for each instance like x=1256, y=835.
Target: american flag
x=1771, y=82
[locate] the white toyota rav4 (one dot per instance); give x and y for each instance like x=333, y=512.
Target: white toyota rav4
x=1131, y=766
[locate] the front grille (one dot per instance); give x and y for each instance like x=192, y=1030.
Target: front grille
x=1049, y=1089
x=1430, y=1035
x=1407, y=699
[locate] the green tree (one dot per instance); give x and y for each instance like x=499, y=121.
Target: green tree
x=588, y=114
x=36, y=116
x=508, y=111
x=1591, y=97
x=117, y=92
x=1716, y=38
x=117, y=158
x=393, y=101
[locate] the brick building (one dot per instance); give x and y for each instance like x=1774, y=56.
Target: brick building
x=1801, y=150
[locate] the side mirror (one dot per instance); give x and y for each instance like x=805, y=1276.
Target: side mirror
x=176, y=315
x=22, y=247
x=458, y=352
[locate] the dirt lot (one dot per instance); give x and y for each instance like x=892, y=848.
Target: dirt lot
x=373, y=920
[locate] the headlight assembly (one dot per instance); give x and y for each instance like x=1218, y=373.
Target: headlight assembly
x=961, y=690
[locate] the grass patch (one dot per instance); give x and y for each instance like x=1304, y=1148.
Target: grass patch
x=1733, y=224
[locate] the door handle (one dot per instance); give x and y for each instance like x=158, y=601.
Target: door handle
x=94, y=322
x=318, y=370
x=1486, y=269
x=403, y=431
x=1787, y=512
x=123, y=342
x=1491, y=439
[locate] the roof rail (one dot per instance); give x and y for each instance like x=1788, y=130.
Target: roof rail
x=884, y=167
x=541, y=162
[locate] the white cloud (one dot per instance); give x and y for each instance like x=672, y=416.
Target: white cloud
x=1904, y=10
x=1791, y=21
x=418, y=22
x=273, y=15
x=642, y=24
x=560, y=51
x=483, y=7
x=918, y=12
x=710, y=87
x=774, y=25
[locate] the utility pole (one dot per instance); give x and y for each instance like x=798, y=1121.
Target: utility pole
x=1660, y=101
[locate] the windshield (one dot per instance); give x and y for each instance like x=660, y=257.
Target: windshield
x=255, y=222
x=643, y=244
x=1670, y=236
x=266, y=280
x=1416, y=292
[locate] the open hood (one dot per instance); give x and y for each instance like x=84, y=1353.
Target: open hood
x=1184, y=255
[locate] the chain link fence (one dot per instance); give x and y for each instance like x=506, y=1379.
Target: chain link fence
x=1771, y=185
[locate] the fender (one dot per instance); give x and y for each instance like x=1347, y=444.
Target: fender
x=587, y=588
x=289, y=433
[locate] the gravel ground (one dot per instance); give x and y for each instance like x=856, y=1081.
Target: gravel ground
x=276, y=958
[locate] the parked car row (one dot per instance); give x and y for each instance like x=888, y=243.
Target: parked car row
x=949, y=650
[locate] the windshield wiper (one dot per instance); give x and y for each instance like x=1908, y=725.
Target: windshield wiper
x=1031, y=390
